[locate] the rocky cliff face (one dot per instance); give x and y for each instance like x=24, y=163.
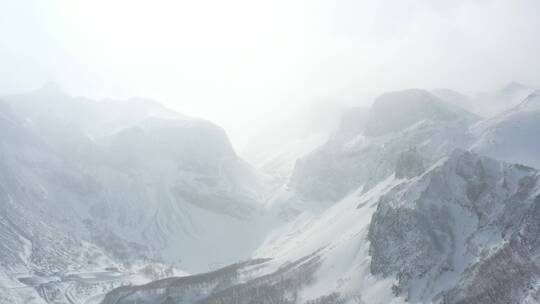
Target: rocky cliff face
x=452, y=225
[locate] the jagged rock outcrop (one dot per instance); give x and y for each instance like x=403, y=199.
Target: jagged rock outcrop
x=454, y=226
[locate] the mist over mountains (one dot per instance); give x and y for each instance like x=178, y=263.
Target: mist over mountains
x=269, y=152
x=419, y=198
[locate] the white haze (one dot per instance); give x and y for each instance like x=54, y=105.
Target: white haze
x=247, y=65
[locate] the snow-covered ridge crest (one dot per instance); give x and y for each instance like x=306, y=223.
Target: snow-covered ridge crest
x=532, y=102
x=512, y=135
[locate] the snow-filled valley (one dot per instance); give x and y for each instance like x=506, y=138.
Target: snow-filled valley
x=421, y=198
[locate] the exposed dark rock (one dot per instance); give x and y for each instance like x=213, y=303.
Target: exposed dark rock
x=409, y=164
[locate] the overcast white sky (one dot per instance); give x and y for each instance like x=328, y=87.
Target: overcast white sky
x=243, y=63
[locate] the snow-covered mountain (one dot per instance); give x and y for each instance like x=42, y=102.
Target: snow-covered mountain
x=442, y=235
x=429, y=127
x=424, y=237
x=396, y=211
x=88, y=184
x=415, y=200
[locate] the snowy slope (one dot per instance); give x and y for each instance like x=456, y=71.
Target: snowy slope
x=463, y=231
x=323, y=258
x=512, y=135
x=421, y=236
x=339, y=237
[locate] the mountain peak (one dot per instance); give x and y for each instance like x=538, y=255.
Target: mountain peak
x=394, y=111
